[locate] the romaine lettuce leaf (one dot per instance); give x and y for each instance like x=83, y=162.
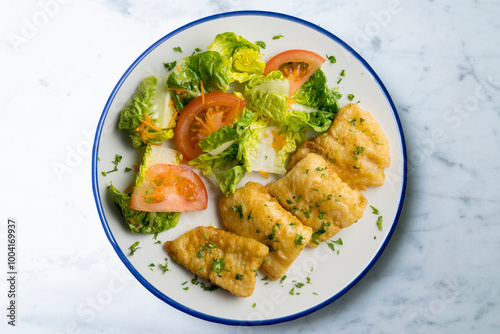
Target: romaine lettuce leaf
x=154, y=155
x=268, y=148
x=219, y=140
x=316, y=104
x=246, y=60
x=147, y=115
x=268, y=95
x=209, y=66
x=210, y=164
x=229, y=179
x=141, y=221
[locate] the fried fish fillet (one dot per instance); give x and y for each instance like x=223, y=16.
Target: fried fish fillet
x=354, y=146
x=227, y=260
x=252, y=212
x=313, y=192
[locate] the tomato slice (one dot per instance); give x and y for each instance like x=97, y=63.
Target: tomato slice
x=296, y=65
x=202, y=116
x=170, y=188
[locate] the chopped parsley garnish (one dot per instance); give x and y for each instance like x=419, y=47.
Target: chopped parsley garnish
x=298, y=240
x=283, y=279
x=350, y=97
x=198, y=50
x=134, y=247
x=357, y=151
x=164, y=266
x=218, y=265
x=238, y=209
x=331, y=59
x=338, y=241
x=342, y=74
x=375, y=210
x=299, y=285
x=278, y=36
x=128, y=169
x=210, y=288
x=353, y=121
x=238, y=277
x=292, y=291
x=249, y=215
x=170, y=66
x=340, y=79
x=379, y=222
x=253, y=305
x=355, y=167
x=208, y=247
x=331, y=245
x=178, y=49
x=115, y=162
x=377, y=142
x=361, y=120
x=261, y=44
x=186, y=288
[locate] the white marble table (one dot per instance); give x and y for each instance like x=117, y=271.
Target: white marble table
x=438, y=59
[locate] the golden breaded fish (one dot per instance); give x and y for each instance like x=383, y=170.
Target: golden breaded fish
x=252, y=212
x=313, y=192
x=354, y=146
x=227, y=260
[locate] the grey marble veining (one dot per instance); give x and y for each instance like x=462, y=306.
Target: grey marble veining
x=438, y=59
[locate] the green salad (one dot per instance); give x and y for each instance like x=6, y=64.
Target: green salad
x=192, y=104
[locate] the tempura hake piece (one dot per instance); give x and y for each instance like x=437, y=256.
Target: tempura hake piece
x=355, y=147
x=313, y=192
x=252, y=212
x=227, y=260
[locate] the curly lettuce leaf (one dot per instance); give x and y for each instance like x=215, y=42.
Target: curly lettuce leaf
x=141, y=221
x=147, y=115
x=209, y=66
x=246, y=60
x=230, y=178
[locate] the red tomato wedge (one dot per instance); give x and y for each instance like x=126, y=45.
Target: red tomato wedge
x=202, y=116
x=170, y=188
x=296, y=65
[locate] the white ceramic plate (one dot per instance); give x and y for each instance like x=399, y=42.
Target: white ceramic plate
x=330, y=274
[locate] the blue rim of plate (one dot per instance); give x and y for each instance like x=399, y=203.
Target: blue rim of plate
x=122, y=256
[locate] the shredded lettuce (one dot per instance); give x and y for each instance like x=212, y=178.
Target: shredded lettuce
x=148, y=110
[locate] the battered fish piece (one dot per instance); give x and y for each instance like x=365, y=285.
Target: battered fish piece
x=252, y=212
x=355, y=147
x=313, y=192
x=227, y=260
